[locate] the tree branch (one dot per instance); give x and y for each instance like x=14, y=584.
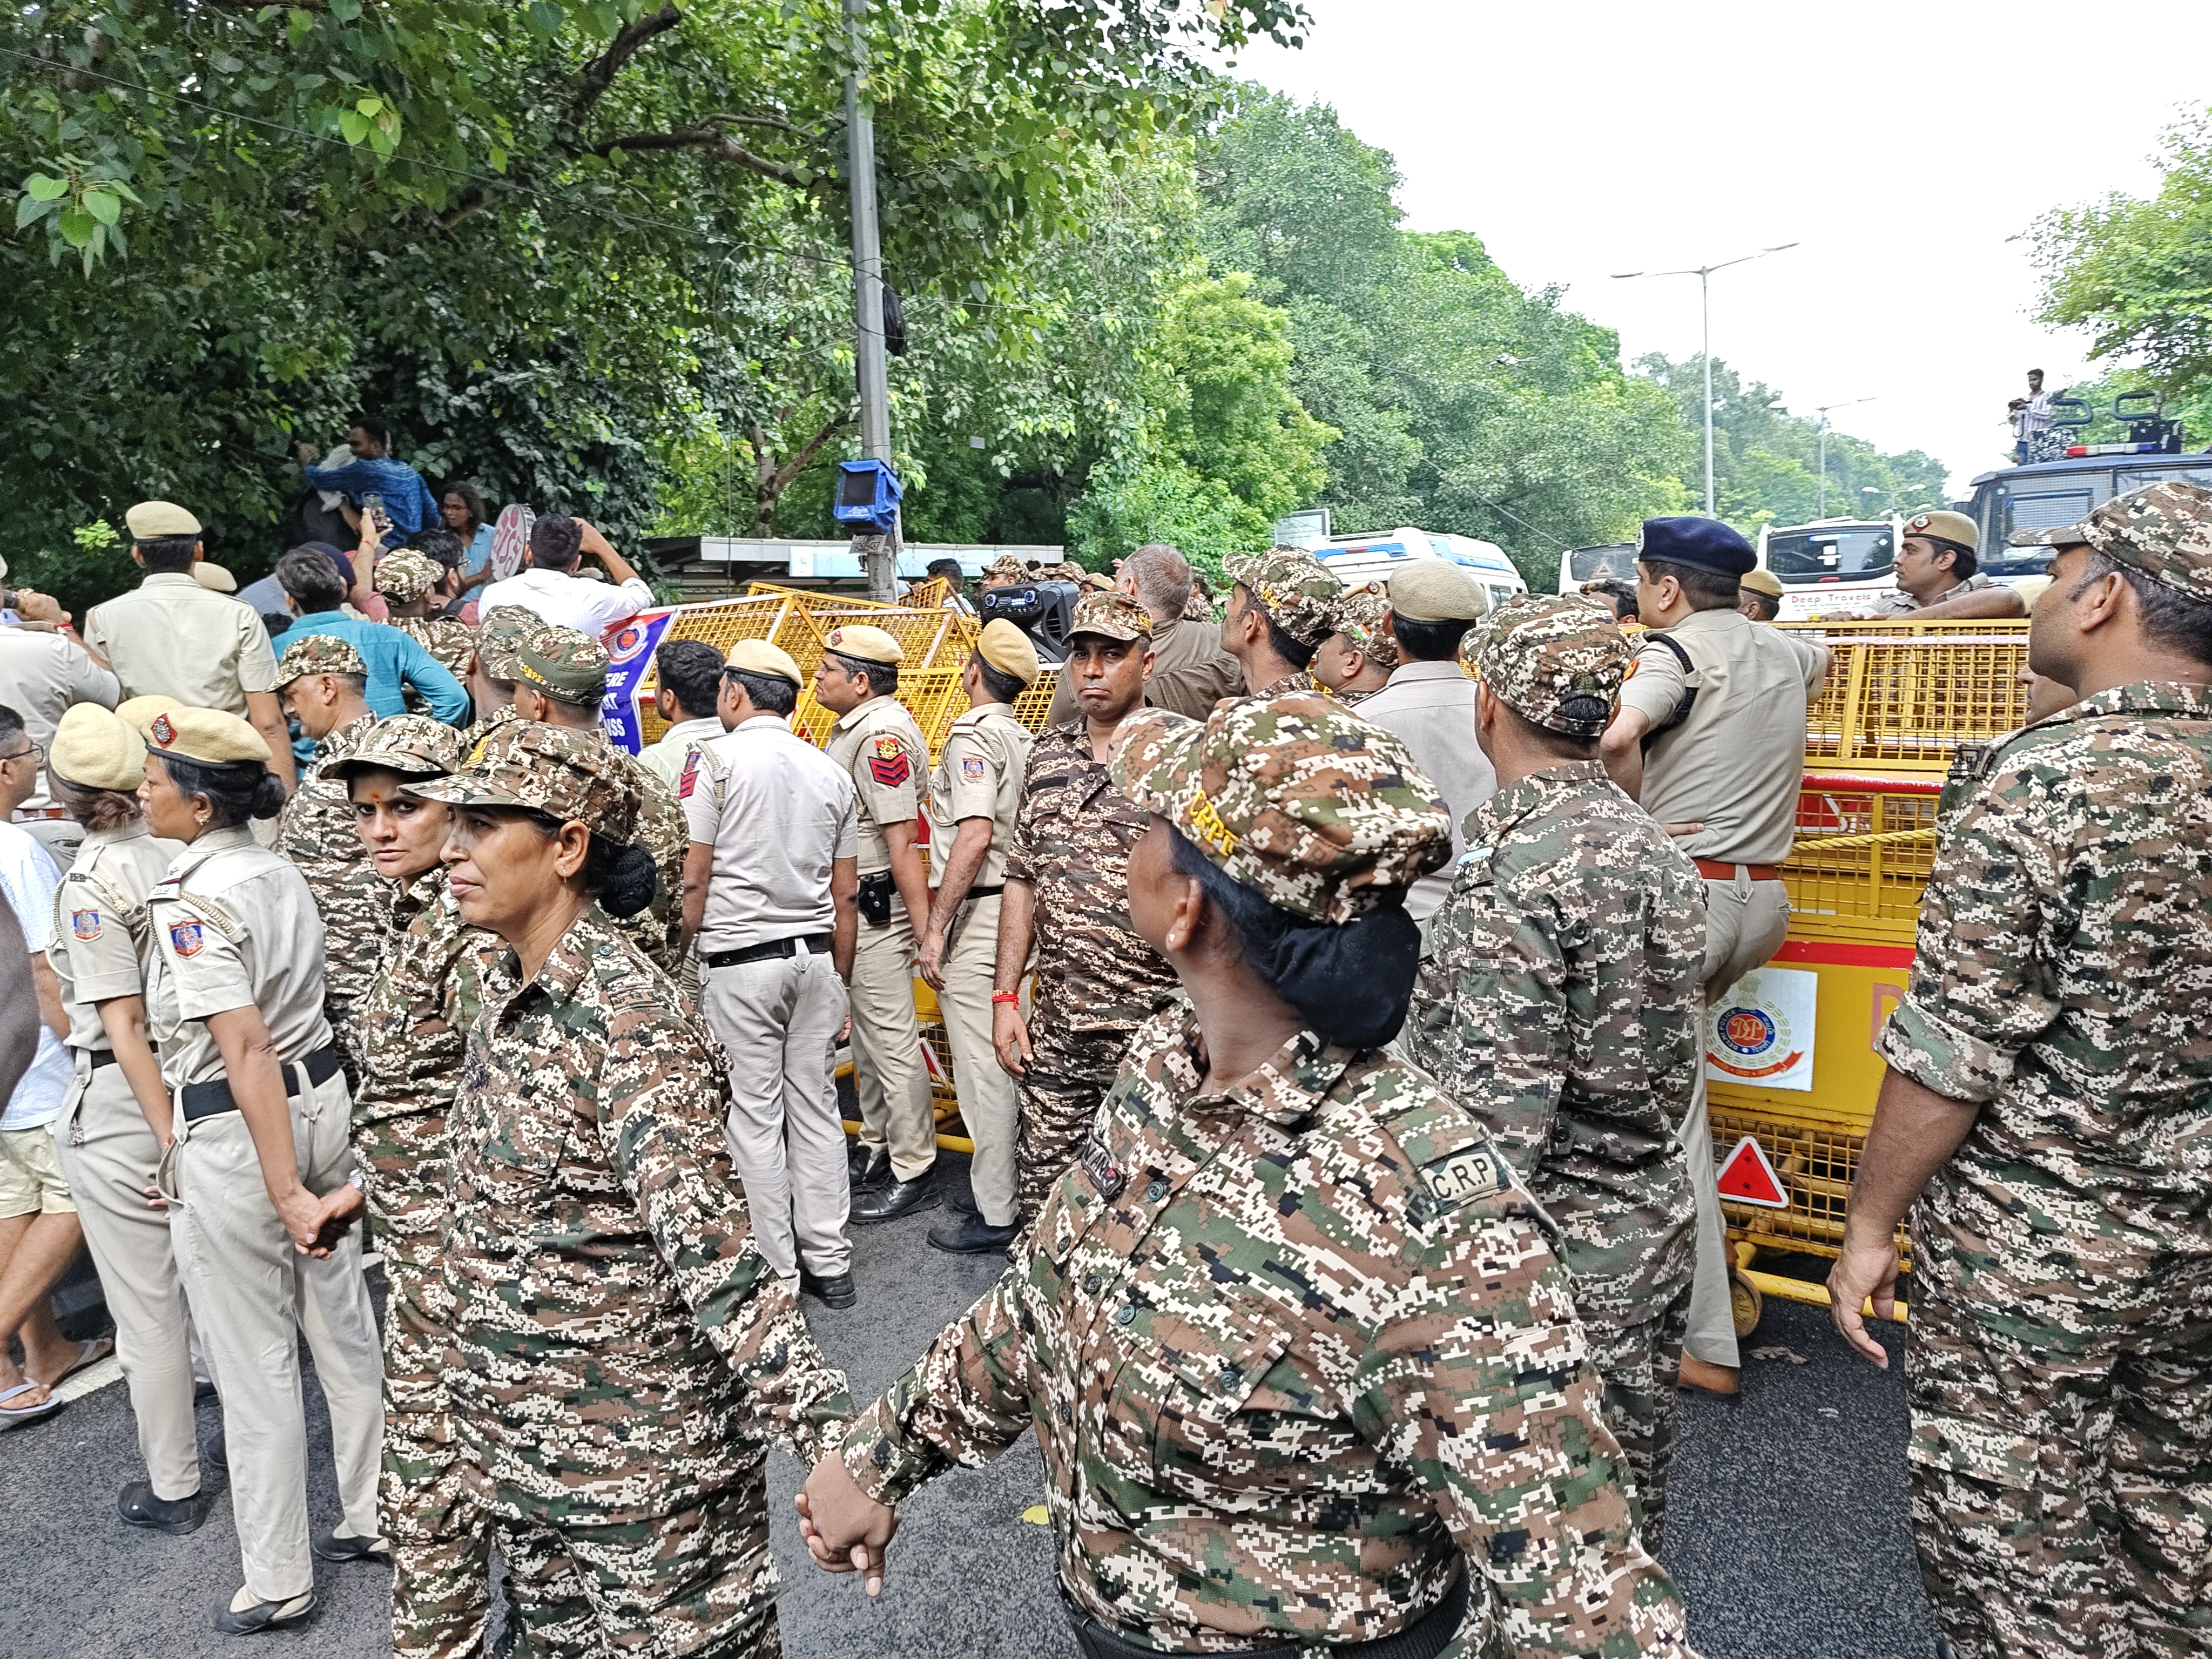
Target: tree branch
x=797, y=463
x=720, y=145
x=601, y=75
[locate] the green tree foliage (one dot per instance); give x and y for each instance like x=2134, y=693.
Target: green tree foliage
x=1767, y=460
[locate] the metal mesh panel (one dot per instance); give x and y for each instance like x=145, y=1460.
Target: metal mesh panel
x=1882, y=881
x=1816, y=1166
x=1903, y=694
x=1034, y=704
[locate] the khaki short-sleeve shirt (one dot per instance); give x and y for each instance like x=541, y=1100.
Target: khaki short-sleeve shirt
x=236, y=927
x=880, y=748
x=103, y=944
x=173, y=636
x=779, y=815
x=979, y=775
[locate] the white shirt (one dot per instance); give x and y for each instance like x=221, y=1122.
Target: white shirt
x=2034, y=416
x=1431, y=707
x=577, y=602
x=30, y=878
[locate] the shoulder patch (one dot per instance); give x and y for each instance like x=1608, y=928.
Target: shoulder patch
x=689, y=780
x=1461, y=1177
x=973, y=769
x=186, y=938
x=889, y=765
x=85, y=924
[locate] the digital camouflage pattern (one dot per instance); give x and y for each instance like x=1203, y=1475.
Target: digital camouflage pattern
x=1294, y=797
x=406, y=575
x=665, y=833
x=316, y=833
x=1553, y=659
x=414, y=1026
x=450, y=642
x=2058, y=1368
x=620, y=1354
x=1560, y=1005
x=318, y=653
x=1299, y=682
x=1359, y=615
x=1057, y=1098
x=476, y=732
x=2163, y=530
x=564, y=664
x=499, y=635
x=1292, y=586
x=1293, y=1352
x=414, y=745
x=573, y=776
x=1007, y=569
x=1111, y=615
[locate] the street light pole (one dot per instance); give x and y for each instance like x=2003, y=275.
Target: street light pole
x=1822, y=512
x=878, y=554
x=1703, y=274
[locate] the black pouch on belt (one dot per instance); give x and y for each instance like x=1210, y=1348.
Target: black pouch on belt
x=875, y=898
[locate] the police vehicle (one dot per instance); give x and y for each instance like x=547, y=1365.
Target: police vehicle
x=2084, y=476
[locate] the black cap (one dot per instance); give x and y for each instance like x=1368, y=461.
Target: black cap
x=1706, y=544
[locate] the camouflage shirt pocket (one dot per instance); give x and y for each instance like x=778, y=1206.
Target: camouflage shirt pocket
x=1204, y=1372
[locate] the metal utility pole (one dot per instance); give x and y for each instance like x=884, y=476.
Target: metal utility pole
x=1703, y=274
x=1822, y=512
x=878, y=554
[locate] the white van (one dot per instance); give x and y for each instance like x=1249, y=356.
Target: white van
x=1832, y=564
x=1606, y=562
x=1372, y=558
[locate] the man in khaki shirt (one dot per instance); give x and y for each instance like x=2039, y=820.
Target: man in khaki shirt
x=1190, y=671
x=1938, y=579
x=172, y=636
x=975, y=797
x=876, y=743
x=1710, y=738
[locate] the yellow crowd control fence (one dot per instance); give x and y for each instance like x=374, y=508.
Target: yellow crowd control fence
x=1902, y=696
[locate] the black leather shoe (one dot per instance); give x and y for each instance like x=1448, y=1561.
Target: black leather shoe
x=175, y=1516
x=338, y=1546
x=865, y=1169
x=893, y=1199
x=265, y=1615
x=216, y=1454
x=837, y=1292
x=970, y=1235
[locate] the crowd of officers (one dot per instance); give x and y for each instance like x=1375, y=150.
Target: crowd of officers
x=1328, y=1022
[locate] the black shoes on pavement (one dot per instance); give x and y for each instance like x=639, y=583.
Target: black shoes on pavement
x=890, y=1200
x=338, y=1546
x=264, y=1615
x=837, y=1292
x=175, y=1516
x=863, y=1170
x=969, y=1234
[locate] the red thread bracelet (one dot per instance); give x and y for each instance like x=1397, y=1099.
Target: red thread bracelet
x=1006, y=996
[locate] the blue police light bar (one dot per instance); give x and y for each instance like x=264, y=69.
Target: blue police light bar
x=867, y=496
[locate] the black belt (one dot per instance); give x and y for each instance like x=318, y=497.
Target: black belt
x=818, y=944
x=99, y=1057
x=1425, y=1638
x=984, y=892
x=206, y=1099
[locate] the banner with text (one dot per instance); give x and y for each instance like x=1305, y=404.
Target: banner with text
x=630, y=647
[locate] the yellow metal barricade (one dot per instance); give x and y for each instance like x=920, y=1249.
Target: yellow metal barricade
x=1902, y=696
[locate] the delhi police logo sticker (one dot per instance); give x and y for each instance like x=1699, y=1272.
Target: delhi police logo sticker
x=186, y=938
x=1750, y=1032
x=626, y=644
x=85, y=924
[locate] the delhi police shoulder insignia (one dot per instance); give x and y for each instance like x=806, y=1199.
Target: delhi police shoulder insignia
x=888, y=765
x=186, y=938
x=689, y=781
x=85, y=924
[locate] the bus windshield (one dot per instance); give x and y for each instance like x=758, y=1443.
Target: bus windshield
x=1615, y=561
x=1814, y=556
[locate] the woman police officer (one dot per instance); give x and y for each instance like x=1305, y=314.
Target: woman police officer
x=116, y=1119
x=620, y=1351
x=1304, y=1371
x=258, y=1175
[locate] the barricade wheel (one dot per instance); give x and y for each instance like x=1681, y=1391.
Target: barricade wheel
x=1745, y=1303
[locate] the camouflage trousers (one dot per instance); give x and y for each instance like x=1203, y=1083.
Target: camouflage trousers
x=697, y=1581
x=2061, y=1456
x=1638, y=1361
x=1068, y=1076
x=441, y=1539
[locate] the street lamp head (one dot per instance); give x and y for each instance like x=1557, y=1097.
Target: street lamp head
x=1623, y=276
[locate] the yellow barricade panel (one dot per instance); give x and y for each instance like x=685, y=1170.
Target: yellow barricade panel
x=1904, y=696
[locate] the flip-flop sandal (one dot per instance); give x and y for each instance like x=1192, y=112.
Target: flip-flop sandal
x=13, y=1417
x=91, y=1353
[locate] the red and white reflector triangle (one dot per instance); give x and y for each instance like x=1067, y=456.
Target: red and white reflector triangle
x=1746, y=1177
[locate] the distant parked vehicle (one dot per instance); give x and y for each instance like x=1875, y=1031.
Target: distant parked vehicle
x=1606, y=561
x=1372, y=557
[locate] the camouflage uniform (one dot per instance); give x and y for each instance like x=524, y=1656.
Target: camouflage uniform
x=1560, y=1003
x=1301, y=1362
x=498, y=631
x=316, y=833
x=405, y=576
x=1360, y=614
x=1298, y=591
x=620, y=1352
x=1096, y=980
x=2059, y=1363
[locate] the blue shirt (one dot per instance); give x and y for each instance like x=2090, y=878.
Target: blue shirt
x=478, y=554
x=393, y=657
x=407, y=500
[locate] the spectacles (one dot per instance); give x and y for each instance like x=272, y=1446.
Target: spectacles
x=34, y=754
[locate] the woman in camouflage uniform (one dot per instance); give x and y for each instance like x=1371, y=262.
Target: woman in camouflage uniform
x=620, y=1353
x=1303, y=1368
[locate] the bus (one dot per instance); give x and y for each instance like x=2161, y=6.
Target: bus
x=1830, y=564
x=1356, y=559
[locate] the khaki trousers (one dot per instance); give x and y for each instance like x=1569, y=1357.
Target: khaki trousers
x=251, y=1296
x=988, y=1104
x=109, y=1156
x=778, y=1021
x=1746, y=922
x=888, y=1074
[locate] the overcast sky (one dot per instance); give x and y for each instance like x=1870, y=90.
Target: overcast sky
x=1900, y=145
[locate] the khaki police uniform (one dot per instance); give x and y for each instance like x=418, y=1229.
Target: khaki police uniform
x=778, y=815
x=103, y=949
x=171, y=635
x=880, y=748
x=979, y=775
x=236, y=926
x=1735, y=763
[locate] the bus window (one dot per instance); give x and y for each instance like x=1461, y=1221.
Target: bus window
x=1616, y=562
x=2045, y=511
x=1817, y=556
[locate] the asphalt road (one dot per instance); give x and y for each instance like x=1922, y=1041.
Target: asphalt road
x=1787, y=1533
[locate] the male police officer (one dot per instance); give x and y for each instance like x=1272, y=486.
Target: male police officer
x=877, y=744
x=1710, y=738
x=1937, y=577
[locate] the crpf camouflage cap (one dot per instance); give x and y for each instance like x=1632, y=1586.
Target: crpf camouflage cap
x=500, y=632
x=318, y=653
x=565, y=666
x=1112, y=616
x=2162, y=530
x=1294, y=586
x=1555, y=659
x=576, y=777
x=407, y=575
x=1360, y=619
x=1296, y=798
x=1007, y=566
x=415, y=746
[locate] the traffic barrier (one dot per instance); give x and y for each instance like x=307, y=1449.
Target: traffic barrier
x=1902, y=696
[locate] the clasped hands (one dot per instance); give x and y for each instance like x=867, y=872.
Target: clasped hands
x=845, y=1529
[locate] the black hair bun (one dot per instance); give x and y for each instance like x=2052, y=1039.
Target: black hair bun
x=268, y=797
x=632, y=882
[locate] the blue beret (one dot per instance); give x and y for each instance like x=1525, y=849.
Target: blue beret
x=1706, y=543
